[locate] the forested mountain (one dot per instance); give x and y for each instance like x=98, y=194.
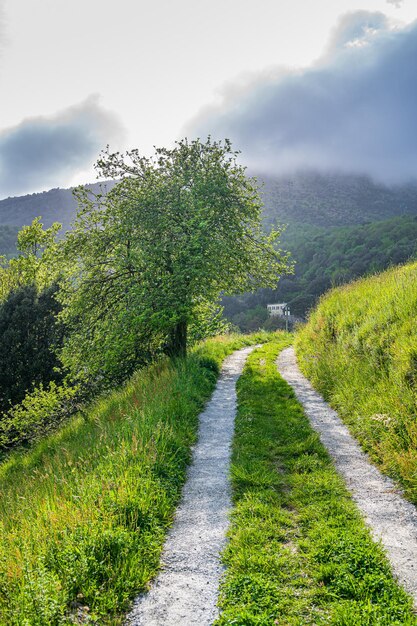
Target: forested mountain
x=334, y=199
x=55, y=205
x=304, y=198
x=8, y=237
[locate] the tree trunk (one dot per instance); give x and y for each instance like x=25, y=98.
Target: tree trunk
x=177, y=342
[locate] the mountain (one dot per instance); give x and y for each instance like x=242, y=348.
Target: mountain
x=334, y=199
x=304, y=198
x=339, y=227
x=307, y=198
x=56, y=205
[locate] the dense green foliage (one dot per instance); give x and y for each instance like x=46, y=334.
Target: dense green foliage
x=148, y=261
x=359, y=348
x=29, y=335
x=8, y=239
x=138, y=275
x=299, y=552
x=83, y=515
x=325, y=258
x=35, y=262
x=31, y=401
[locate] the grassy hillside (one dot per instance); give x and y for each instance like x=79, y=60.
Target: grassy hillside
x=83, y=514
x=359, y=348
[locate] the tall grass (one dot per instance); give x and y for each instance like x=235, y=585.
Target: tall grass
x=84, y=513
x=359, y=348
x=299, y=552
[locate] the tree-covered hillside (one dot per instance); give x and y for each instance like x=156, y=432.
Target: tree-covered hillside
x=55, y=205
x=334, y=199
x=328, y=257
x=8, y=238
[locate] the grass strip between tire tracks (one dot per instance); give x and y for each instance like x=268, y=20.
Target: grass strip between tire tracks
x=299, y=552
x=84, y=513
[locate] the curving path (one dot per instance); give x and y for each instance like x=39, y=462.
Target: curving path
x=185, y=592
x=391, y=518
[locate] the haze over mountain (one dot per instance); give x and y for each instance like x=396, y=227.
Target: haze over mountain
x=330, y=200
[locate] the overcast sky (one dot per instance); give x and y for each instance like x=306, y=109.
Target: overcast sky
x=280, y=77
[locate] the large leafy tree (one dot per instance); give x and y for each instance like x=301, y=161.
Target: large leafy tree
x=151, y=257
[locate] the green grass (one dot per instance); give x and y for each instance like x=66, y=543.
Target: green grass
x=359, y=349
x=299, y=552
x=84, y=513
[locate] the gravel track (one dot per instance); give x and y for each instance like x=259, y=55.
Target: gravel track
x=186, y=590
x=391, y=518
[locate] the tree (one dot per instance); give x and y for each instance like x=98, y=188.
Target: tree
x=29, y=335
x=35, y=264
x=146, y=260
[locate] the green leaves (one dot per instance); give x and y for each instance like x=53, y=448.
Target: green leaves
x=151, y=258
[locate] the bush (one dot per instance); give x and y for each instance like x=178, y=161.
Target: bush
x=38, y=413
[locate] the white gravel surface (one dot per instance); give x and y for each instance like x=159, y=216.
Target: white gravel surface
x=185, y=592
x=391, y=518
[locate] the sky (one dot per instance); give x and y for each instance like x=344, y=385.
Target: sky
x=295, y=84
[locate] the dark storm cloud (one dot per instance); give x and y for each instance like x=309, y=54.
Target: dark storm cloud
x=46, y=152
x=353, y=111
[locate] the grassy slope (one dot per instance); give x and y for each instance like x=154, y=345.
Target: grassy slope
x=299, y=553
x=83, y=515
x=359, y=348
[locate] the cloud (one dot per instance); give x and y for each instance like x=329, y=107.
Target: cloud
x=356, y=29
x=396, y=3
x=44, y=152
x=352, y=111
x=2, y=26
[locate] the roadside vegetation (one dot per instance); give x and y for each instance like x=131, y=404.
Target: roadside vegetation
x=83, y=515
x=359, y=349
x=299, y=552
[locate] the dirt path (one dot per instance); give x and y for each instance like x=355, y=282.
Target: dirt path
x=392, y=519
x=185, y=592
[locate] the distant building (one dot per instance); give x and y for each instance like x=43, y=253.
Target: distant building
x=282, y=309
